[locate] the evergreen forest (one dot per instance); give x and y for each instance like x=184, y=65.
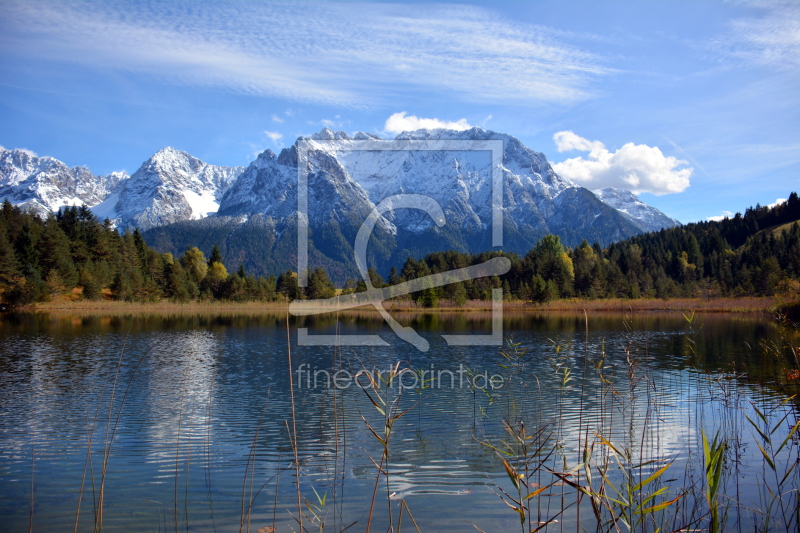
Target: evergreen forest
x=73, y=255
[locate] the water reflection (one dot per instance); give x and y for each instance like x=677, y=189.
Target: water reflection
x=204, y=407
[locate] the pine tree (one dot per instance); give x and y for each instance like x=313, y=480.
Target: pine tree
x=92, y=288
x=216, y=256
x=394, y=276
x=287, y=286
x=319, y=285
x=9, y=266
x=176, y=286
x=538, y=291
x=129, y=279
x=25, y=247
x=55, y=253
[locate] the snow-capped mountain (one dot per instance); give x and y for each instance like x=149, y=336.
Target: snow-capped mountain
x=345, y=182
x=255, y=208
x=169, y=187
x=45, y=184
x=648, y=218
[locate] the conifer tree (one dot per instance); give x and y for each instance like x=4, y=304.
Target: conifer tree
x=319, y=285
x=55, y=253
x=25, y=246
x=215, y=257
x=287, y=286
x=9, y=265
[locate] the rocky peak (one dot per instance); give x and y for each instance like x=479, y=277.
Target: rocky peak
x=329, y=135
x=45, y=184
x=648, y=218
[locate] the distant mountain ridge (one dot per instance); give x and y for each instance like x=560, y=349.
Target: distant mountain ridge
x=345, y=183
x=177, y=199
x=45, y=184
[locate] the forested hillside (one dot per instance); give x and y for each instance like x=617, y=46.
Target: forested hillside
x=755, y=254
x=73, y=255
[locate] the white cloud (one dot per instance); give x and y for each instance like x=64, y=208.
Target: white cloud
x=330, y=53
x=567, y=141
x=771, y=40
x=777, y=202
x=723, y=216
x=402, y=122
x=636, y=167
x=274, y=136
x=728, y=214
x=276, y=118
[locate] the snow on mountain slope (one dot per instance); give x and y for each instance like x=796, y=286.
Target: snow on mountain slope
x=169, y=187
x=346, y=181
x=646, y=217
x=269, y=187
x=45, y=184
x=460, y=181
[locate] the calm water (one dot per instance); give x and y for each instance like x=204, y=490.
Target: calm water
x=199, y=409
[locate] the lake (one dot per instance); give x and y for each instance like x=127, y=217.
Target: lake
x=167, y=423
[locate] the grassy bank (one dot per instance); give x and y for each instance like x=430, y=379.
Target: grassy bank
x=699, y=305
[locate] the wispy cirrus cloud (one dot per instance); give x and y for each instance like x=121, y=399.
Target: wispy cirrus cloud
x=334, y=53
x=769, y=39
x=274, y=136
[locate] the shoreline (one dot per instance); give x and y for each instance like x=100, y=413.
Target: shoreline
x=719, y=305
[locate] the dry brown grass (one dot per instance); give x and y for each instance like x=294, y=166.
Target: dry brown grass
x=699, y=305
x=166, y=307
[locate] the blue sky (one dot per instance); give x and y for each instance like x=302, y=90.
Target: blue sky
x=695, y=105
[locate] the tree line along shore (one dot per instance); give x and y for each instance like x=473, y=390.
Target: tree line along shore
x=747, y=262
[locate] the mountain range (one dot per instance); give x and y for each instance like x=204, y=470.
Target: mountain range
x=45, y=184
x=251, y=213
